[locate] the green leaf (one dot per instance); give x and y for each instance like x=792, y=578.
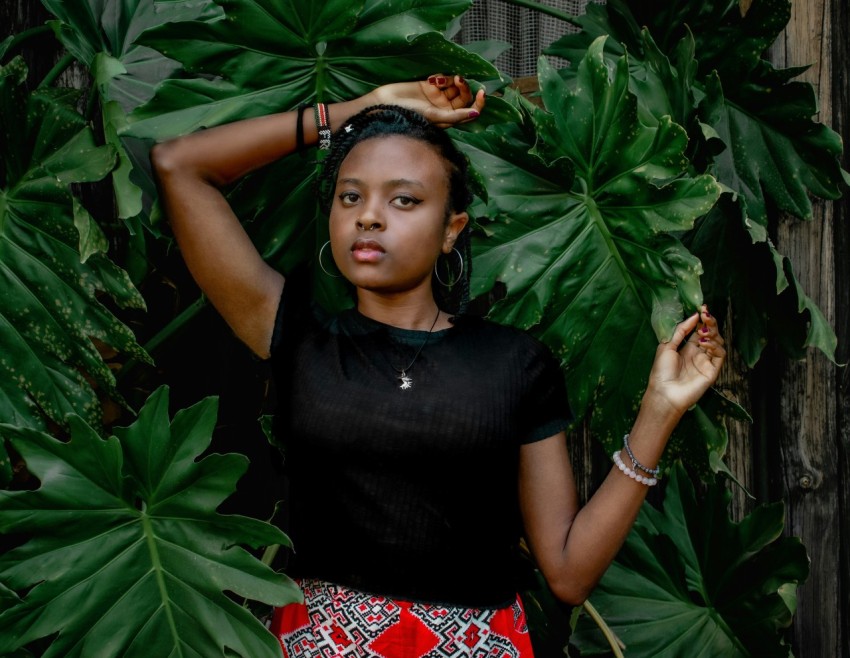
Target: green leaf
x=102, y=35
x=271, y=56
x=688, y=577
x=52, y=265
x=775, y=152
x=706, y=422
x=141, y=559
x=753, y=130
x=580, y=232
x=769, y=303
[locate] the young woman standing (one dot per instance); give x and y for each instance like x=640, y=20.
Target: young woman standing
x=420, y=442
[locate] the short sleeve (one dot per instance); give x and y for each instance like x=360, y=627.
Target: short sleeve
x=545, y=408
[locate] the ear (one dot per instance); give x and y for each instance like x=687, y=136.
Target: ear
x=457, y=222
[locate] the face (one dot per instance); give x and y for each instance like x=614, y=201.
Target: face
x=388, y=221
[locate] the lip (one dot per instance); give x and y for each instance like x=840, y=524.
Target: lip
x=367, y=251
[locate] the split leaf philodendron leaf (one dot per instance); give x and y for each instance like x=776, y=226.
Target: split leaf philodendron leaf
x=751, y=126
x=689, y=581
x=268, y=56
x=127, y=554
x=768, y=302
x=102, y=35
x=774, y=151
x=52, y=261
x=580, y=231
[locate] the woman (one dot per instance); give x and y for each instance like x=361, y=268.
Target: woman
x=416, y=437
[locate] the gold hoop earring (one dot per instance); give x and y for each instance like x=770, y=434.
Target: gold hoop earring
x=333, y=276
x=454, y=279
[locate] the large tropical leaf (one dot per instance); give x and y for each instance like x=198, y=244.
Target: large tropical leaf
x=127, y=555
x=101, y=34
x=690, y=582
x=774, y=151
x=268, y=56
x=580, y=233
x=53, y=268
x=755, y=133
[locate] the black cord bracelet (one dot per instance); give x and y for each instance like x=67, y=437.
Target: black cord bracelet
x=299, y=127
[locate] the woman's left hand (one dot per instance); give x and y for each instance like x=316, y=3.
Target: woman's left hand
x=684, y=370
x=444, y=100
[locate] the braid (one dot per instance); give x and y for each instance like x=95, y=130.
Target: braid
x=385, y=120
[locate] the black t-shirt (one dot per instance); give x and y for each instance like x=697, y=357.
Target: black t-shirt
x=408, y=493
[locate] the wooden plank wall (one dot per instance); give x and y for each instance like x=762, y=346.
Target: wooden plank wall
x=809, y=449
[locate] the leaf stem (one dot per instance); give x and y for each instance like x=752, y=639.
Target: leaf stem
x=176, y=324
x=269, y=555
x=91, y=102
x=21, y=37
x=167, y=332
x=545, y=9
x=57, y=70
x=616, y=644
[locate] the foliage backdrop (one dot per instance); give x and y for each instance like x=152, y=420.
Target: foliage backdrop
x=640, y=189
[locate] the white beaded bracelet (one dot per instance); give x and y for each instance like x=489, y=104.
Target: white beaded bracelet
x=649, y=482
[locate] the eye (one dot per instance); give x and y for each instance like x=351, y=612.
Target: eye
x=406, y=201
x=349, y=198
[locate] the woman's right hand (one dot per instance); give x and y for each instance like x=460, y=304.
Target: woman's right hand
x=443, y=100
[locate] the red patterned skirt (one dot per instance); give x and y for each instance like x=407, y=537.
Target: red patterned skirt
x=337, y=622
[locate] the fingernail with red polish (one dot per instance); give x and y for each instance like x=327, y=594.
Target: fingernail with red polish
x=703, y=340
x=461, y=80
x=441, y=81
x=432, y=79
x=703, y=330
x=474, y=113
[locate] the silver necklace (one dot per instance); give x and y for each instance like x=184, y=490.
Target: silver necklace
x=402, y=376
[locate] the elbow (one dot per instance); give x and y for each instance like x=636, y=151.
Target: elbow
x=164, y=159
x=568, y=591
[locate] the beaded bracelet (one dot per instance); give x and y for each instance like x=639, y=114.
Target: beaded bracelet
x=635, y=463
x=649, y=482
x=323, y=126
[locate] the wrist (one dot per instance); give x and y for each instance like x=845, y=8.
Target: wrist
x=658, y=413
x=657, y=404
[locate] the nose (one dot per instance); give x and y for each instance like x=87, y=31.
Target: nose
x=369, y=222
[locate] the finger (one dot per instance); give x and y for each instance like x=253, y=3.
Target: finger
x=708, y=326
x=445, y=118
x=439, y=80
x=682, y=330
x=714, y=353
x=464, y=92
x=452, y=94
x=477, y=105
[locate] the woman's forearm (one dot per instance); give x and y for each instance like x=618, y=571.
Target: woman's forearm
x=602, y=525
x=223, y=154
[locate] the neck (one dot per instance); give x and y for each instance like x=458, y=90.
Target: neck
x=405, y=312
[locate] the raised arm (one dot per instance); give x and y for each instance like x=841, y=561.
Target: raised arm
x=573, y=547
x=191, y=170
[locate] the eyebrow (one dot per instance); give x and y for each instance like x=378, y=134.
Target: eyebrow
x=395, y=182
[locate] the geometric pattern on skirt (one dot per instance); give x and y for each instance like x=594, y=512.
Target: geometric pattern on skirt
x=338, y=622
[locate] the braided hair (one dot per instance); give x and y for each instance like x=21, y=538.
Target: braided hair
x=386, y=120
